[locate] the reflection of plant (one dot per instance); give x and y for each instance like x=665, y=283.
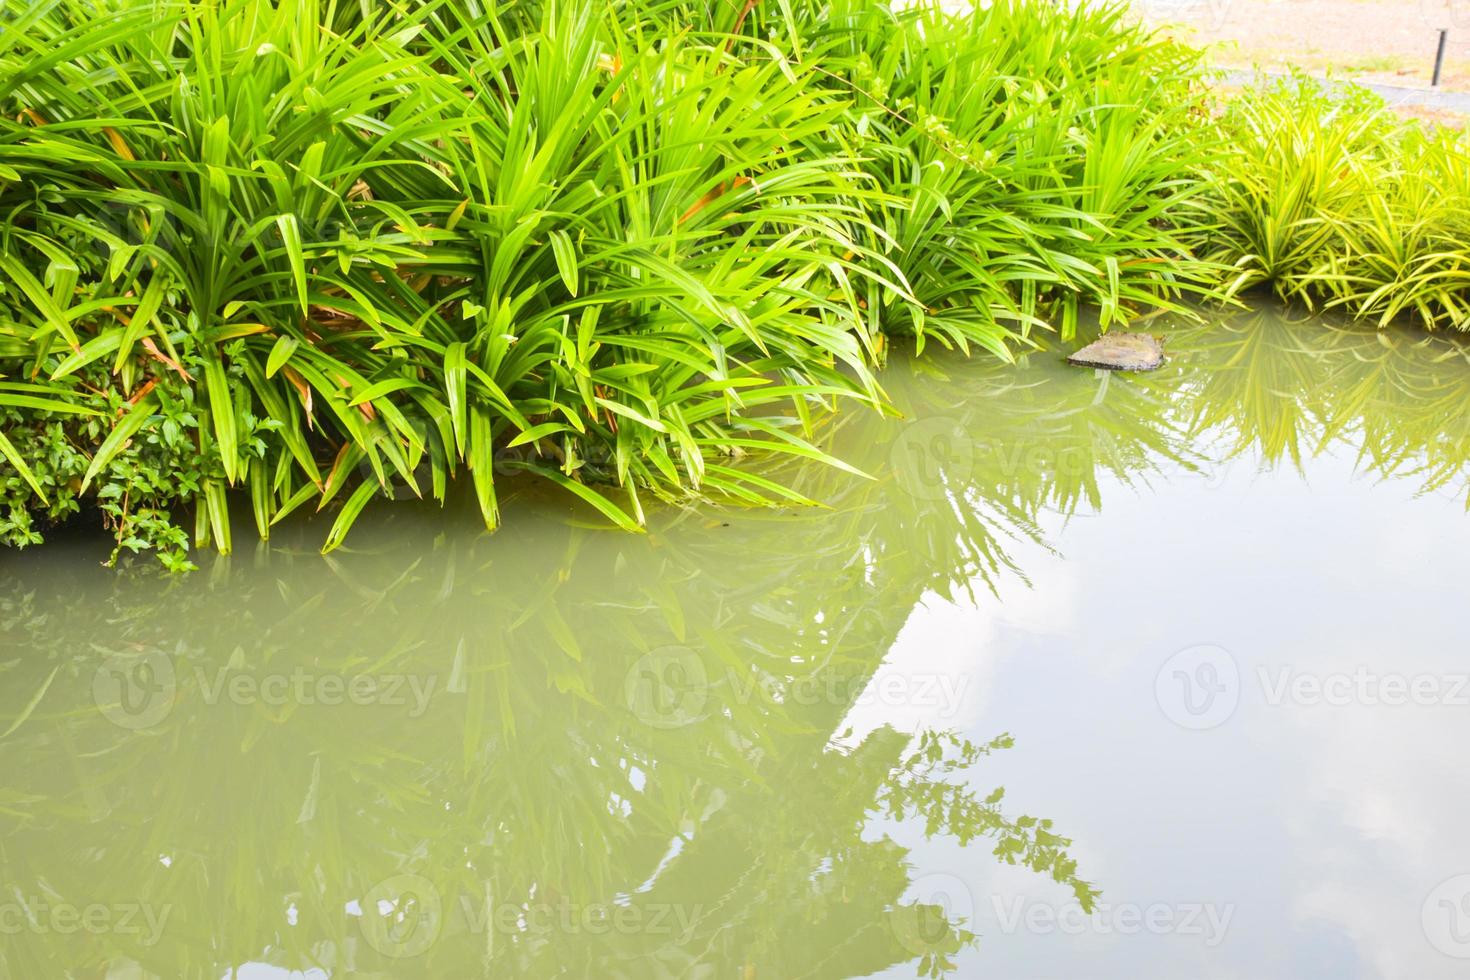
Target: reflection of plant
x=1287, y=387
x=922, y=787
x=1039, y=437
x=527, y=782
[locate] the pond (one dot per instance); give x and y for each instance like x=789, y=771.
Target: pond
x=1098, y=675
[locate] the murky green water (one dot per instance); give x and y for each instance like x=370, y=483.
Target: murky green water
x=1198, y=638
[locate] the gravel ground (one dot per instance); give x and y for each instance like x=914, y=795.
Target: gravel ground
x=1386, y=41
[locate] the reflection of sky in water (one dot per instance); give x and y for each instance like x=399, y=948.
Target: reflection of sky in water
x=1319, y=829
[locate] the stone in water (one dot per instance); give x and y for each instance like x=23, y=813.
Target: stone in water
x=1121, y=352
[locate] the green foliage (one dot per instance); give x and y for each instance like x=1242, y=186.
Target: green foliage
x=134, y=488
x=1334, y=200
x=325, y=253
x=374, y=258
x=1033, y=154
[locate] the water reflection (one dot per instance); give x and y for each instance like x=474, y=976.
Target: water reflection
x=550, y=751
x=559, y=751
x=987, y=449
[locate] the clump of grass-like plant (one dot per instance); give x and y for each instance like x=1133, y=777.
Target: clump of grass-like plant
x=318, y=253
x=377, y=257
x=1334, y=200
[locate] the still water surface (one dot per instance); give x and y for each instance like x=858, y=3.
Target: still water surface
x=1153, y=676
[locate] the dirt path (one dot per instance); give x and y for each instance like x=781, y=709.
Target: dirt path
x=1390, y=42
